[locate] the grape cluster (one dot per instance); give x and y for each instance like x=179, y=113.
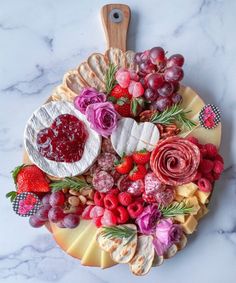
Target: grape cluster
x=160, y=77
x=53, y=210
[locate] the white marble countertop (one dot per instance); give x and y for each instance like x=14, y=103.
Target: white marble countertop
x=39, y=41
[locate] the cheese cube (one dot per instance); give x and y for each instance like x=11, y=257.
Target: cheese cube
x=193, y=202
x=186, y=190
x=190, y=224
x=180, y=218
x=204, y=210
x=178, y=198
x=202, y=196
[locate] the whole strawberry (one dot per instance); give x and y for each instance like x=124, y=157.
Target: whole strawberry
x=125, y=164
x=121, y=99
x=138, y=172
x=141, y=156
x=29, y=178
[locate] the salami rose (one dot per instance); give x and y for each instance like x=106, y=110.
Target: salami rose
x=175, y=161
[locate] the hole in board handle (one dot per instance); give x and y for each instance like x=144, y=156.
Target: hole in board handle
x=116, y=15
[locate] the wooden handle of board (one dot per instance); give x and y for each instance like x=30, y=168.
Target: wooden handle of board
x=115, y=19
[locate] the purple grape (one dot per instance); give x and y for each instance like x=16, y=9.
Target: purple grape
x=166, y=89
x=147, y=67
x=176, y=98
x=45, y=199
x=150, y=95
x=143, y=82
x=71, y=221
x=137, y=57
x=157, y=54
x=42, y=213
x=175, y=60
x=55, y=214
x=161, y=104
x=155, y=81
x=60, y=224
x=35, y=222
x=173, y=74
x=176, y=86
x=57, y=199
x=145, y=56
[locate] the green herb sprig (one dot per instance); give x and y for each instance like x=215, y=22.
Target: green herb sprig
x=11, y=195
x=69, y=182
x=122, y=232
x=175, y=209
x=173, y=114
x=110, y=79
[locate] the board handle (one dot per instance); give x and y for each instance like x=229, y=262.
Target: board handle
x=115, y=20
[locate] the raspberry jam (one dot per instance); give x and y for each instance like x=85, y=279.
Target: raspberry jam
x=64, y=141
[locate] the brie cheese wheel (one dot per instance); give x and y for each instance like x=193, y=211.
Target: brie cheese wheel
x=42, y=118
x=130, y=136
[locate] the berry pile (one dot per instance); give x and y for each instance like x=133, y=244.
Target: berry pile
x=160, y=77
x=211, y=165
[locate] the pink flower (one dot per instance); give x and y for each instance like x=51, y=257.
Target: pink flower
x=167, y=234
x=103, y=118
x=88, y=96
x=148, y=219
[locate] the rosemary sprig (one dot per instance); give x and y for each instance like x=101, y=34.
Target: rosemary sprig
x=172, y=114
x=110, y=80
x=119, y=232
x=175, y=209
x=69, y=182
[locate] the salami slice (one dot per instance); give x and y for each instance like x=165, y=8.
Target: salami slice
x=106, y=161
x=103, y=181
x=123, y=183
x=175, y=161
x=136, y=188
x=152, y=184
x=107, y=146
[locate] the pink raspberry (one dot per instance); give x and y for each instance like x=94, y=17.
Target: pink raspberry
x=96, y=211
x=121, y=214
x=193, y=140
x=220, y=158
x=123, y=78
x=197, y=176
x=135, y=209
x=204, y=185
x=211, y=150
x=206, y=166
x=86, y=212
x=99, y=198
x=216, y=176
x=218, y=167
x=149, y=198
x=111, y=201
x=108, y=218
x=125, y=198
x=209, y=177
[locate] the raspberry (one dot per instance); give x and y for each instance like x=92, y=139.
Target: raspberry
x=122, y=215
x=204, y=185
x=211, y=150
x=79, y=210
x=99, y=198
x=203, y=152
x=96, y=211
x=216, y=176
x=114, y=191
x=218, y=167
x=206, y=166
x=108, y=218
x=209, y=177
x=86, y=212
x=193, y=140
x=110, y=201
x=125, y=198
x=97, y=221
x=135, y=209
x=198, y=176
x=148, y=198
x=219, y=158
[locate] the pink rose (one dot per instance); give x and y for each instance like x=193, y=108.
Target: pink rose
x=88, y=96
x=102, y=117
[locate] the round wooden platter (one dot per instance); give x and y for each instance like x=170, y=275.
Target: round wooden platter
x=81, y=241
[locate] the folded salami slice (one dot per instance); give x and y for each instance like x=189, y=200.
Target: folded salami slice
x=175, y=161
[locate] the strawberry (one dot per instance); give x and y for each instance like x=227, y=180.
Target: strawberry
x=138, y=172
x=125, y=165
x=118, y=92
x=123, y=108
x=121, y=99
x=29, y=178
x=141, y=156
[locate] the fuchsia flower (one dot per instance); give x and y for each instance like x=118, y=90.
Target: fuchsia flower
x=88, y=96
x=166, y=235
x=103, y=117
x=148, y=219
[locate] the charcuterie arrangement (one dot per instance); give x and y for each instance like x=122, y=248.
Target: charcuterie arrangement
x=121, y=161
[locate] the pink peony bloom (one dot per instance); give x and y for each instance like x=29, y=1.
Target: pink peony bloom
x=103, y=118
x=88, y=96
x=148, y=219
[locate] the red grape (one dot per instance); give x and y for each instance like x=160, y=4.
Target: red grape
x=176, y=86
x=145, y=56
x=71, y=221
x=55, y=214
x=176, y=98
x=161, y=104
x=57, y=199
x=42, y=213
x=166, y=90
x=60, y=224
x=137, y=57
x=143, y=82
x=35, y=221
x=45, y=199
x=150, y=95
x=157, y=55
x=173, y=74
x=155, y=81
x=175, y=60
x=147, y=67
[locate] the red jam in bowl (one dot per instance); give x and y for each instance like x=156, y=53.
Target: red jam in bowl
x=64, y=141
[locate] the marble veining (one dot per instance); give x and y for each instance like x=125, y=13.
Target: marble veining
x=40, y=41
